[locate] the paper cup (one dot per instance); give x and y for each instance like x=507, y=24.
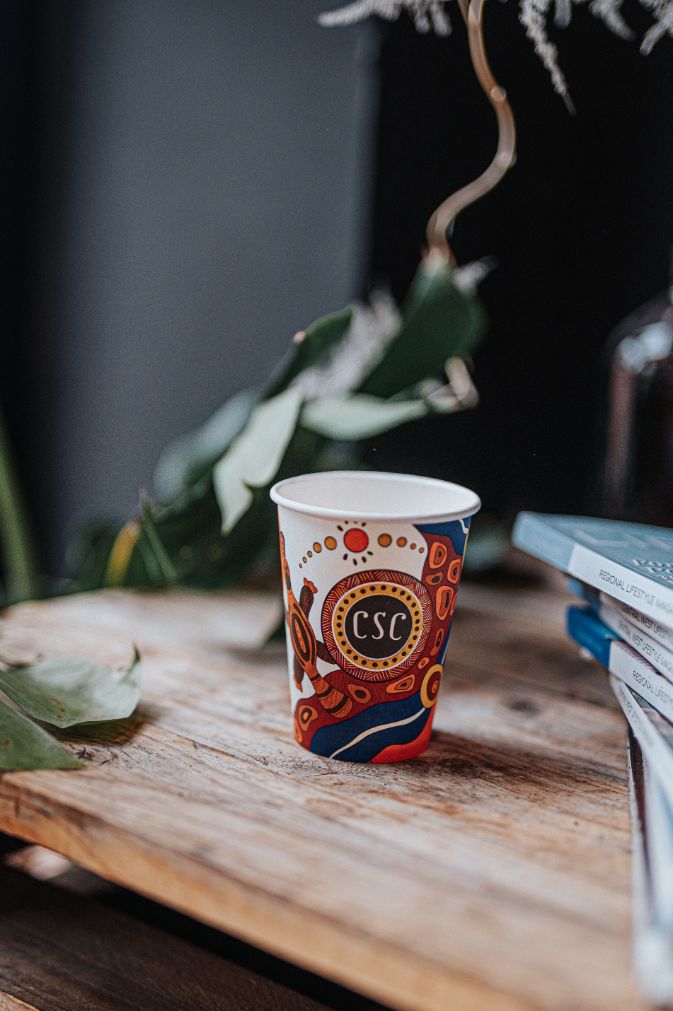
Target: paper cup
x=371, y=566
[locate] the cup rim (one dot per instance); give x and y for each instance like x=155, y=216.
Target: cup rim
x=278, y=490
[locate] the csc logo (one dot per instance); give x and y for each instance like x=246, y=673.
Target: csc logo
x=372, y=627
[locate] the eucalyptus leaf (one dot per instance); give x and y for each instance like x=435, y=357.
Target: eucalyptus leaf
x=357, y=416
x=89, y=553
x=309, y=347
x=189, y=457
x=68, y=690
x=439, y=321
x=255, y=456
x=25, y=745
x=162, y=559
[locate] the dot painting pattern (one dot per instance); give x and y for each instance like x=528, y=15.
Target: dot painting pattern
x=351, y=628
x=369, y=665
x=356, y=541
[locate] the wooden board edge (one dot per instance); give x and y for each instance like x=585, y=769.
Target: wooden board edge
x=303, y=938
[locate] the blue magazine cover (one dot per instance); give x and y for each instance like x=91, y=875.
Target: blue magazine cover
x=629, y=561
x=605, y=607
x=620, y=659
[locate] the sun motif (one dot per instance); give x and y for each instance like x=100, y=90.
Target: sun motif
x=355, y=541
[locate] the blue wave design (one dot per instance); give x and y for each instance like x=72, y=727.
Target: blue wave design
x=329, y=740
x=455, y=530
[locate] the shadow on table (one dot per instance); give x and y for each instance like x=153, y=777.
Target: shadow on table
x=108, y=734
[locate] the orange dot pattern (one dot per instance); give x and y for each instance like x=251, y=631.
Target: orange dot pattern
x=356, y=540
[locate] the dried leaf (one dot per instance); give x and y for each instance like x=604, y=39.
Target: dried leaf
x=25, y=745
x=68, y=690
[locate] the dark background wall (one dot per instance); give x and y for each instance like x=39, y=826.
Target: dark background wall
x=581, y=231
x=189, y=190
x=187, y=182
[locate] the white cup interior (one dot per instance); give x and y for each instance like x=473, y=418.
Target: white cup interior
x=366, y=495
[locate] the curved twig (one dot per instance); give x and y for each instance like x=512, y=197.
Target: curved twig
x=444, y=216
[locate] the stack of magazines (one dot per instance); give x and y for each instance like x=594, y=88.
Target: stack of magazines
x=622, y=577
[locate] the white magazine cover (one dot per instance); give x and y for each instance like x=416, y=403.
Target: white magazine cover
x=655, y=630
x=602, y=643
x=658, y=655
x=653, y=733
x=652, y=832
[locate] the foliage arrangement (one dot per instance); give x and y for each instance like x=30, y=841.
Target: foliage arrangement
x=67, y=692
x=533, y=14
x=349, y=377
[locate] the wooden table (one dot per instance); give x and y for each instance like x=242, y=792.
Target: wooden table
x=61, y=951
x=493, y=872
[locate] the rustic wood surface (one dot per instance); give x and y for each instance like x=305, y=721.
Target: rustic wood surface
x=493, y=872
x=62, y=952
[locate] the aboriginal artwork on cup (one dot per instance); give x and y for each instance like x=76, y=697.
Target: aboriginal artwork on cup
x=367, y=649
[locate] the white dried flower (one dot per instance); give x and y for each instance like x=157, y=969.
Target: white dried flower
x=609, y=11
x=533, y=14
x=426, y=13
x=663, y=23
x=470, y=275
x=370, y=332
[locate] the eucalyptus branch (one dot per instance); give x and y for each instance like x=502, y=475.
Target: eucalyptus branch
x=444, y=216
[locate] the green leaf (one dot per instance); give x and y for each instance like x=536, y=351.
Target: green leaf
x=350, y=417
x=161, y=558
x=89, y=553
x=439, y=321
x=16, y=545
x=68, y=690
x=254, y=457
x=24, y=745
x=309, y=347
x=188, y=458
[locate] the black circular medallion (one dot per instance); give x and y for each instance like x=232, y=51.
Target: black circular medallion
x=379, y=626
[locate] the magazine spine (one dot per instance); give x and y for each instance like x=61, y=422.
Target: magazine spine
x=656, y=654
x=621, y=660
x=658, y=632
x=620, y=582
x=655, y=748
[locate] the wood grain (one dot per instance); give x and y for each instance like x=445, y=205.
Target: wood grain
x=493, y=872
x=61, y=952
x=9, y=1003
